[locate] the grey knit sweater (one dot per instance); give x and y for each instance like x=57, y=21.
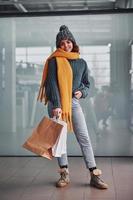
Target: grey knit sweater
x=80, y=80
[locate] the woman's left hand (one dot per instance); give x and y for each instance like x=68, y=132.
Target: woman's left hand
x=78, y=94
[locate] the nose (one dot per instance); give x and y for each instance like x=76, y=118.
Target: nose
x=65, y=44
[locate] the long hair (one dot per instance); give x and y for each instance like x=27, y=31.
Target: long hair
x=75, y=48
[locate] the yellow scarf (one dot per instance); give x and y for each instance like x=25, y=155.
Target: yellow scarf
x=65, y=79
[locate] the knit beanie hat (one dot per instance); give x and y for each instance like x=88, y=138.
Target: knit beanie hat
x=64, y=34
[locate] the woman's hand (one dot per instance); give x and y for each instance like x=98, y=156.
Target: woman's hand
x=57, y=112
x=78, y=94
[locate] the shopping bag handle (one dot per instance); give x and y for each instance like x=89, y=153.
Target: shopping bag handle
x=57, y=117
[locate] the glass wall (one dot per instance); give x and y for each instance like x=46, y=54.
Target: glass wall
x=105, y=43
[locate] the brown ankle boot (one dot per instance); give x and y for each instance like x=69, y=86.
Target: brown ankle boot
x=64, y=179
x=96, y=180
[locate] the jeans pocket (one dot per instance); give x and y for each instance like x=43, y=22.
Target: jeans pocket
x=75, y=100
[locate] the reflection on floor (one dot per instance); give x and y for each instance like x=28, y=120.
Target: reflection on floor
x=33, y=178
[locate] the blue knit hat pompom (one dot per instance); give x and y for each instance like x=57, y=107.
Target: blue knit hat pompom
x=64, y=33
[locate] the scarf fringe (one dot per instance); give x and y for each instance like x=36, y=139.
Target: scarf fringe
x=42, y=96
x=67, y=118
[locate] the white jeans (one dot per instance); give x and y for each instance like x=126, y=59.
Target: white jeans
x=81, y=133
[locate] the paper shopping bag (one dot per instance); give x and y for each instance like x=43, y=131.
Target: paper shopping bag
x=43, y=137
x=60, y=147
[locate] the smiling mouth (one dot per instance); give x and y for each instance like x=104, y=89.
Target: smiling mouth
x=67, y=49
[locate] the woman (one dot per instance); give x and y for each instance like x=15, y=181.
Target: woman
x=64, y=82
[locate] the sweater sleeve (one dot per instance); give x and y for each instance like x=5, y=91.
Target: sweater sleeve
x=85, y=84
x=51, y=84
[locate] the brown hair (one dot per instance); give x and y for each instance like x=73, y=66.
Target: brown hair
x=75, y=48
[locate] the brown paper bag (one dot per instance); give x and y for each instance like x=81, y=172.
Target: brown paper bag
x=43, y=137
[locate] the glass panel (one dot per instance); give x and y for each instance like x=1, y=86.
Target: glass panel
x=38, y=50
x=131, y=93
x=98, y=60
x=105, y=43
x=20, y=51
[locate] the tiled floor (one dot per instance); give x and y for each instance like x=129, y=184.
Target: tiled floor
x=33, y=178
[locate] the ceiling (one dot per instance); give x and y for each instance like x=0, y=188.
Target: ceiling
x=28, y=6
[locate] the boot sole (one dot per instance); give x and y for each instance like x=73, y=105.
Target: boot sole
x=98, y=187
x=61, y=186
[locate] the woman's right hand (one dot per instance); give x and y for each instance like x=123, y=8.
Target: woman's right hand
x=57, y=112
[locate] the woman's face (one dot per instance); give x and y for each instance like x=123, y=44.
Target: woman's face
x=66, y=45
